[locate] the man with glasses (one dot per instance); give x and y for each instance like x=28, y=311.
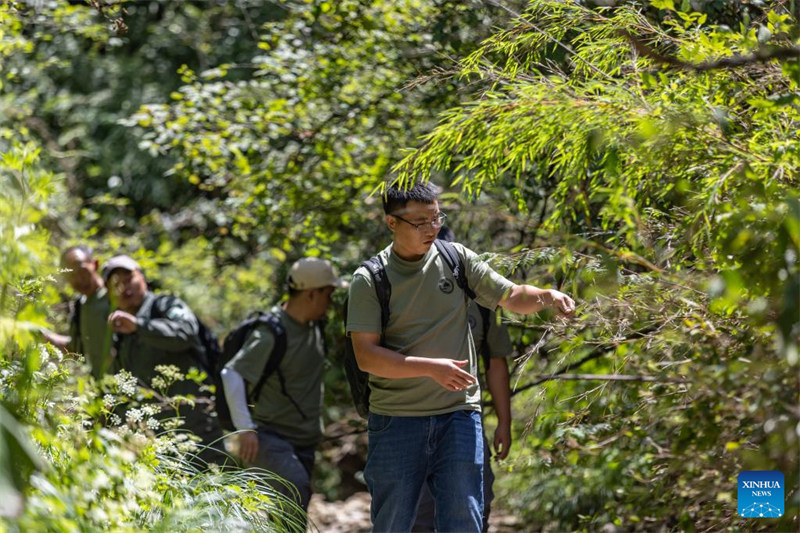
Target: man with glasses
x=89, y=333
x=159, y=329
x=424, y=422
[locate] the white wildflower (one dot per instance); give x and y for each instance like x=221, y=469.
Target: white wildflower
x=171, y=372
x=134, y=415
x=126, y=383
x=151, y=409
x=50, y=369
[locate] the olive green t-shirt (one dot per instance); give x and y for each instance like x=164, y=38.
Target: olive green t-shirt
x=92, y=337
x=497, y=340
x=428, y=318
x=301, y=366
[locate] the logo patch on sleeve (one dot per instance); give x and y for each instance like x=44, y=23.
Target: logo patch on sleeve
x=445, y=285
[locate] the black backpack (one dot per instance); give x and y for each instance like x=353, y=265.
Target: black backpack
x=357, y=378
x=234, y=342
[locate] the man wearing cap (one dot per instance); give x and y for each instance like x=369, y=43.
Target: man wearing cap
x=283, y=429
x=89, y=333
x=151, y=330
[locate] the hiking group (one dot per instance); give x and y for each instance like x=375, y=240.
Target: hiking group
x=418, y=315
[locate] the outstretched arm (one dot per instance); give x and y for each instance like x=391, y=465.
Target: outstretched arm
x=380, y=361
x=527, y=299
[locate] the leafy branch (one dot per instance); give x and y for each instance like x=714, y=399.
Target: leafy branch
x=764, y=54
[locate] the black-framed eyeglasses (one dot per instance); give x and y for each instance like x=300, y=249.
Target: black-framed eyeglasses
x=436, y=223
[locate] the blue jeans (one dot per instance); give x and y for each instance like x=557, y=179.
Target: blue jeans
x=443, y=451
x=425, y=522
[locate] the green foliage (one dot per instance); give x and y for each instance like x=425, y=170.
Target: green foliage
x=65, y=464
x=671, y=195
x=284, y=151
x=78, y=78
x=103, y=474
x=642, y=158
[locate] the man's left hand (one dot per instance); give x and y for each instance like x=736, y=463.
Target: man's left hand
x=502, y=441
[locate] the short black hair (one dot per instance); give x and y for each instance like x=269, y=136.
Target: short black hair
x=292, y=292
x=88, y=252
x=396, y=197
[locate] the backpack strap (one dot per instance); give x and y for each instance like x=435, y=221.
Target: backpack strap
x=274, y=361
x=275, y=357
x=382, y=288
x=453, y=260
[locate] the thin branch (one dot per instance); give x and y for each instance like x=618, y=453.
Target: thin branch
x=608, y=377
x=594, y=354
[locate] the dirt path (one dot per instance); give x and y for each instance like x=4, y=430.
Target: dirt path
x=348, y=516
x=352, y=516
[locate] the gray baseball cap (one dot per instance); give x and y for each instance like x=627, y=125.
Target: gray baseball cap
x=124, y=262
x=314, y=273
